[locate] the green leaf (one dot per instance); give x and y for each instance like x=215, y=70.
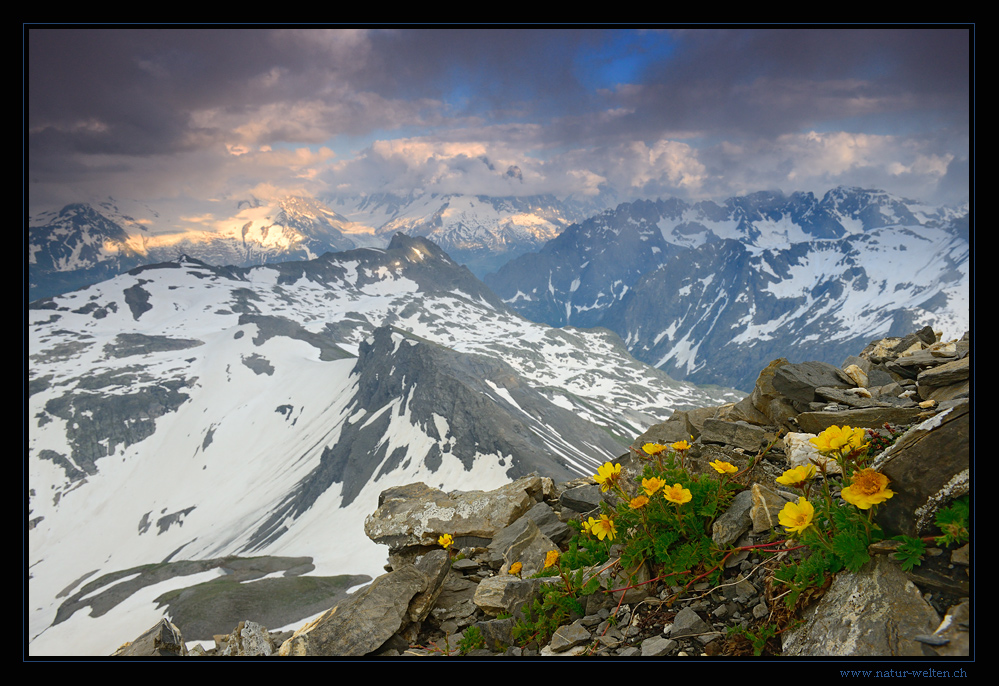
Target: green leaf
x=911, y=551
x=852, y=550
x=953, y=522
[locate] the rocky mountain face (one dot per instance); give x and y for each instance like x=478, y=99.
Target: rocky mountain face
x=185, y=413
x=431, y=602
x=75, y=247
x=711, y=292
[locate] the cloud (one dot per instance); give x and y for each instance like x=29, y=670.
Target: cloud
x=695, y=113
x=816, y=161
x=441, y=166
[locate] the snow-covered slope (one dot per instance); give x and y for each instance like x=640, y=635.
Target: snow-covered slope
x=712, y=293
x=189, y=412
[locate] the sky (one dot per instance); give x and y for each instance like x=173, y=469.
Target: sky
x=185, y=118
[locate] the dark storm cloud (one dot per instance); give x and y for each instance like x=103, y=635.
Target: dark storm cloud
x=127, y=91
x=654, y=111
x=767, y=82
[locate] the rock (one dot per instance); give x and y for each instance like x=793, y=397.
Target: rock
x=797, y=382
x=871, y=417
x=745, y=411
x=877, y=612
x=416, y=515
x=688, y=623
x=672, y=430
x=695, y=420
x=850, y=397
x=734, y=522
x=800, y=451
x=581, y=498
x=506, y=593
x=456, y=600
x=549, y=523
x=162, y=640
x=767, y=504
x=954, y=632
x=739, y=434
x=768, y=400
x=370, y=617
x=248, y=639
x=945, y=382
x=856, y=374
x=569, y=636
x=927, y=468
x=521, y=542
x=496, y=633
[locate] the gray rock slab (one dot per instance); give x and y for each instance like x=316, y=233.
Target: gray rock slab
x=876, y=612
x=798, y=381
x=927, y=468
x=370, y=617
x=417, y=515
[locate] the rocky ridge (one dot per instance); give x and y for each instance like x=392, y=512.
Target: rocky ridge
x=429, y=604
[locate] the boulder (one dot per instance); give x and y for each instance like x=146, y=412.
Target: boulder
x=749, y=437
x=366, y=620
x=248, y=639
x=162, y=640
x=798, y=382
x=417, y=515
x=877, y=612
x=927, y=467
x=870, y=417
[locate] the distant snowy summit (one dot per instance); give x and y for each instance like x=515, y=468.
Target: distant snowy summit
x=83, y=244
x=478, y=231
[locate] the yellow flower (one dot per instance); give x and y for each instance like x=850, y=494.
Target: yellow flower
x=724, y=467
x=446, y=541
x=677, y=494
x=867, y=488
x=551, y=558
x=835, y=439
x=796, y=517
x=587, y=526
x=681, y=445
x=604, y=527
x=650, y=486
x=607, y=474
x=653, y=448
x=640, y=501
x=516, y=567
x=797, y=475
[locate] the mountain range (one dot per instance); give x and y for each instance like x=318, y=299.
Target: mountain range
x=248, y=392
x=190, y=412
x=84, y=243
x=711, y=293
